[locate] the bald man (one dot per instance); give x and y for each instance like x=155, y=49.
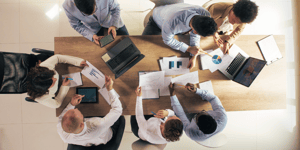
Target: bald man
x=73, y=128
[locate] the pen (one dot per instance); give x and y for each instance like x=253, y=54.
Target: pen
x=67, y=78
x=155, y=114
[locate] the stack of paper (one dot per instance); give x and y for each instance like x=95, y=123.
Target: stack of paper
x=151, y=82
x=77, y=81
x=174, y=65
x=207, y=86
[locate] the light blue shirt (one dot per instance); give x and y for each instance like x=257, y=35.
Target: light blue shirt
x=174, y=19
x=191, y=128
x=107, y=14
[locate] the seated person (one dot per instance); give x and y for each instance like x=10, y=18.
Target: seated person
x=229, y=16
x=181, y=18
x=91, y=17
x=155, y=130
x=73, y=128
x=42, y=80
x=200, y=126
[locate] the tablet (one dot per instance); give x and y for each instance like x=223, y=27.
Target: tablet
x=90, y=93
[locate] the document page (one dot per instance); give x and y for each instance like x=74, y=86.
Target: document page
x=191, y=77
x=153, y=80
x=164, y=91
x=77, y=81
x=175, y=66
x=94, y=74
x=207, y=85
x=269, y=49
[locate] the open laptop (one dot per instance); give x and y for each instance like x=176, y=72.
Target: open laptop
x=122, y=57
x=243, y=69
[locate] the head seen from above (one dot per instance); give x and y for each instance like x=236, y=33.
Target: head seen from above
x=243, y=11
x=39, y=80
x=206, y=123
x=72, y=121
x=172, y=129
x=87, y=7
x=203, y=25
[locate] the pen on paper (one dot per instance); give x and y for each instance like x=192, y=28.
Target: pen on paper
x=67, y=78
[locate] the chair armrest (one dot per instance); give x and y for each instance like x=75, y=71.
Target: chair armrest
x=42, y=51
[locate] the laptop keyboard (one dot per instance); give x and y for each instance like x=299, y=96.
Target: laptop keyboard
x=121, y=57
x=235, y=63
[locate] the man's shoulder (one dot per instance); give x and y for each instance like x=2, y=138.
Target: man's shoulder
x=68, y=4
x=221, y=6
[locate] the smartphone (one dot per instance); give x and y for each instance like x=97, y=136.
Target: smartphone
x=106, y=40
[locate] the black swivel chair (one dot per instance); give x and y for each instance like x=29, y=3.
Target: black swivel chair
x=113, y=144
x=15, y=67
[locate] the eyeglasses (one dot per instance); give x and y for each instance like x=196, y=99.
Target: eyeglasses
x=95, y=10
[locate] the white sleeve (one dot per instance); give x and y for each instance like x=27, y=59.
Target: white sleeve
x=51, y=101
x=55, y=59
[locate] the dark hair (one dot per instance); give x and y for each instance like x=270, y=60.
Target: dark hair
x=173, y=130
x=204, y=26
x=85, y=6
x=38, y=81
x=245, y=10
x=207, y=124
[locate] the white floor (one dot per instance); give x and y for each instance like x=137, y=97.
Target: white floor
x=25, y=126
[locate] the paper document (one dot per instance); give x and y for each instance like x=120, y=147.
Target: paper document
x=202, y=60
x=186, y=78
x=104, y=93
x=207, y=85
x=153, y=80
x=269, y=49
x=175, y=66
x=208, y=61
x=162, y=66
x=77, y=81
x=164, y=91
x=94, y=74
x=150, y=93
x=234, y=50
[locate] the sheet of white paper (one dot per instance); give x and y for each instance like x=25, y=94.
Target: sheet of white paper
x=269, y=49
x=77, y=81
x=175, y=66
x=212, y=66
x=150, y=93
x=164, y=91
x=104, y=93
x=203, y=59
x=191, y=77
x=153, y=80
x=162, y=65
x=207, y=85
x=94, y=74
x=234, y=50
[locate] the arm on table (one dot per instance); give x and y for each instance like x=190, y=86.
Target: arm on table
x=55, y=59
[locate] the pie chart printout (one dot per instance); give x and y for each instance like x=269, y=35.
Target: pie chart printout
x=216, y=59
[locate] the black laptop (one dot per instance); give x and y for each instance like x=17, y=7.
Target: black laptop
x=122, y=57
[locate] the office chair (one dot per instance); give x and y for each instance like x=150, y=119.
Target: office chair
x=15, y=67
x=215, y=141
x=113, y=144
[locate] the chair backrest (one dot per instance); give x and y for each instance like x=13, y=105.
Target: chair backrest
x=217, y=140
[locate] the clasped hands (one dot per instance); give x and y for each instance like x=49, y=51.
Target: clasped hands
x=189, y=86
x=195, y=51
x=223, y=44
x=111, y=29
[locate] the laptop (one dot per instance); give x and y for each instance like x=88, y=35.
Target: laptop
x=243, y=69
x=122, y=57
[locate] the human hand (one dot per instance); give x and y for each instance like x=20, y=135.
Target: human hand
x=192, y=62
x=225, y=47
x=138, y=91
x=218, y=40
x=83, y=64
x=191, y=87
x=76, y=99
x=161, y=114
x=195, y=50
x=172, y=89
x=113, y=31
x=97, y=39
x=108, y=83
x=66, y=81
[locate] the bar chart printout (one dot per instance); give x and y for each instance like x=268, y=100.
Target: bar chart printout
x=179, y=64
x=94, y=74
x=171, y=64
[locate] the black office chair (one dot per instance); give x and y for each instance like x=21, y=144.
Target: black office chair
x=15, y=67
x=113, y=144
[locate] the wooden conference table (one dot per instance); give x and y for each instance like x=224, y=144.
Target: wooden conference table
x=268, y=91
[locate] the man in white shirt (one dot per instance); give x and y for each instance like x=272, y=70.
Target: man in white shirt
x=73, y=128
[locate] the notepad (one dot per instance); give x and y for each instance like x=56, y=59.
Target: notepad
x=269, y=49
x=77, y=81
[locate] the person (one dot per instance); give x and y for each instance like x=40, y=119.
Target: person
x=181, y=18
x=231, y=19
x=200, y=126
x=91, y=17
x=42, y=80
x=154, y=129
x=73, y=128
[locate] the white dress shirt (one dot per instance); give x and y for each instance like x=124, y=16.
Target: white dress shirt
x=49, y=98
x=149, y=130
x=96, y=130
